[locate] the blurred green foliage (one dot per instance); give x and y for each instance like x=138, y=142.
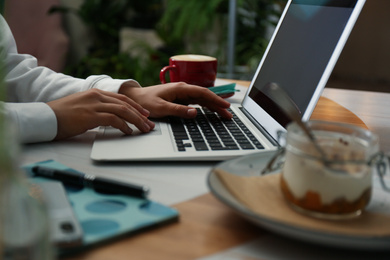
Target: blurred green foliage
x=182, y=20
x=177, y=22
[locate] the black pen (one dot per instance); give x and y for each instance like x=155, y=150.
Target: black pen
x=97, y=183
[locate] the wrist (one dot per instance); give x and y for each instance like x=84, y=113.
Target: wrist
x=128, y=84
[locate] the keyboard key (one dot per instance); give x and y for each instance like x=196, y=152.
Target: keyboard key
x=200, y=146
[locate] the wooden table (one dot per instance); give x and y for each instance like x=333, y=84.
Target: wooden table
x=206, y=226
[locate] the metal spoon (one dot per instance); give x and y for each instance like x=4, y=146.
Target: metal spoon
x=281, y=98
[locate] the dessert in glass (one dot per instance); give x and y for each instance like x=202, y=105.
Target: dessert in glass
x=335, y=188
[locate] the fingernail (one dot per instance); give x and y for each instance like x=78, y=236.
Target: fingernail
x=129, y=131
x=191, y=112
x=151, y=124
x=146, y=127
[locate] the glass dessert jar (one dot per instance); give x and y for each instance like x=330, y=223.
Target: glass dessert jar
x=338, y=186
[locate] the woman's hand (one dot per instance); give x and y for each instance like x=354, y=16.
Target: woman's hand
x=86, y=110
x=172, y=99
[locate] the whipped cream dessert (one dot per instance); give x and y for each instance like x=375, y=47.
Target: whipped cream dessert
x=341, y=188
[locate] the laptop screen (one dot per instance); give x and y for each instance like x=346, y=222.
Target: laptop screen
x=300, y=52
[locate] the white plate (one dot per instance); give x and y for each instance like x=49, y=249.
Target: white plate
x=251, y=165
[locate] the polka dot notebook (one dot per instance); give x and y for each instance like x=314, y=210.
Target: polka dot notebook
x=104, y=217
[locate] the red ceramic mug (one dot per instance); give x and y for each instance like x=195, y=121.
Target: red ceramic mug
x=193, y=69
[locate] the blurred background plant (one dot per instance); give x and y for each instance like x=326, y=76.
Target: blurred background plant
x=190, y=26
x=201, y=27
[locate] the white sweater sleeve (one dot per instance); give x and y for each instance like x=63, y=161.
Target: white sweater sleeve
x=26, y=82
x=29, y=126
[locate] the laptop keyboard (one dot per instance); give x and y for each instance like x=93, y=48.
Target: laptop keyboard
x=208, y=131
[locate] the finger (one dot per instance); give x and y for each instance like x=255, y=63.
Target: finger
x=222, y=112
x=128, y=114
x=202, y=96
x=190, y=112
x=127, y=109
x=107, y=119
x=172, y=109
x=109, y=97
x=134, y=104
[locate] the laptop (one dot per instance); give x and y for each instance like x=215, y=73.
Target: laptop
x=300, y=57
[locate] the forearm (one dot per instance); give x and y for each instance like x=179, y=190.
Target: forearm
x=32, y=87
x=27, y=82
x=30, y=127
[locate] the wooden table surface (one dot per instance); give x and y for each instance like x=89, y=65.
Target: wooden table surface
x=206, y=226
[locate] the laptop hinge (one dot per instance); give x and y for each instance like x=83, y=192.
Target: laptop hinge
x=259, y=127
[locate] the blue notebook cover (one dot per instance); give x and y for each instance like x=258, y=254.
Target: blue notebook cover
x=104, y=217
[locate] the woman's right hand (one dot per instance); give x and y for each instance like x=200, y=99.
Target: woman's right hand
x=86, y=110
